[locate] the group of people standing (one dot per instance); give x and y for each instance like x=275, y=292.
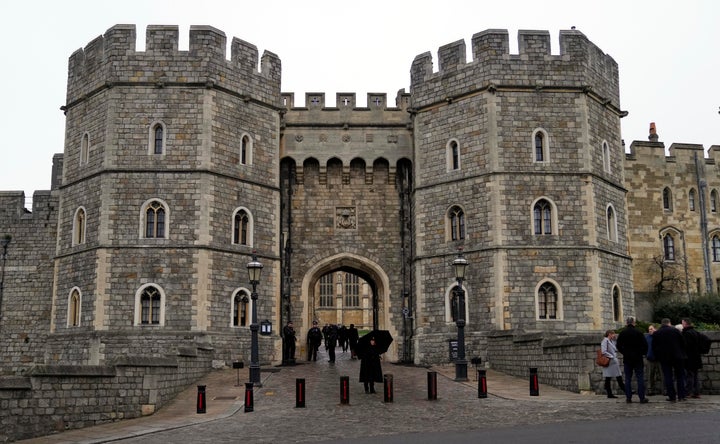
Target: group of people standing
x=333, y=335
x=676, y=351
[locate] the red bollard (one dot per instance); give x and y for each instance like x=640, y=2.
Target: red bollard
x=388, y=387
x=432, y=386
x=482, y=384
x=249, y=401
x=534, y=385
x=299, y=393
x=344, y=390
x=201, y=400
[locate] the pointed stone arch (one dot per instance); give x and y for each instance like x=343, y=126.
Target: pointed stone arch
x=368, y=270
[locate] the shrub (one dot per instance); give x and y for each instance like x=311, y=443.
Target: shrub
x=704, y=312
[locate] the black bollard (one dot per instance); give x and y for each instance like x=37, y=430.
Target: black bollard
x=432, y=386
x=201, y=401
x=388, y=387
x=249, y=402
x=344, y=390
x=299, y=393
x=534, y=385
x=482, y=384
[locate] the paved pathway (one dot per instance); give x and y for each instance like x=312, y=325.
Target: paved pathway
x=275, y=417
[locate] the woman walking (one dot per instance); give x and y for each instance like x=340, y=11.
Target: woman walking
x=608, y=348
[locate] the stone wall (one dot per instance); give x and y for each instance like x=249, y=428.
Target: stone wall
x=54, y=398
x=568, y=362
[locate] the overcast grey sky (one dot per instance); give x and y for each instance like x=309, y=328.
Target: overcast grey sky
x=667, y=52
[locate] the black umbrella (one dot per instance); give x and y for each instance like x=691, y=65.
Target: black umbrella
x=383, y=339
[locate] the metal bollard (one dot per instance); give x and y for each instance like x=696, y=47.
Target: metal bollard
x=534, y=385
x=249, y=401
x=299, y=393
x=432, y=386
x=201, y=400
x=388, y=387
x=344, y=390
x=482, y=384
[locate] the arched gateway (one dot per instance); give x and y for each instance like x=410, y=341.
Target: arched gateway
x=371, y=272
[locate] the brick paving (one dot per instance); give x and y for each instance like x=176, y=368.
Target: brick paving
x=276, y=418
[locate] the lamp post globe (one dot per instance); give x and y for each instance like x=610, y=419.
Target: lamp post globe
x=459, y=265
x=254, y=268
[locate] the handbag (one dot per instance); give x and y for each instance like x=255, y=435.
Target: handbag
x=602, y=360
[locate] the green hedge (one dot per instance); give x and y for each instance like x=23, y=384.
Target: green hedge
x=704, y=312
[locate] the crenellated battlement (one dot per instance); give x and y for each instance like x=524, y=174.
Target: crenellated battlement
x=580, y=64
x=346, y=112
x=651, y=153
x=111, y=59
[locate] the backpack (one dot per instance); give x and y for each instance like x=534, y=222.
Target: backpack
x=704, y=343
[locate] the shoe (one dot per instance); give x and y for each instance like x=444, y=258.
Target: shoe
x=670, y=399
x=682, y=399
x=373, y=391
x=629, y=401
x=695, y=396
x=644, y=401
x=612, y=396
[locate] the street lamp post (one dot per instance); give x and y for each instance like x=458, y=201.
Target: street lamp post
x=459, y=264
x=254, y=269
x=4, y=242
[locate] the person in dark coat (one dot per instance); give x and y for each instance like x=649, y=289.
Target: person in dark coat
x=669, y=348
x=652, y=366
x=331, y=341
x=633, y=346
x=370, y=368
x=289, y=343
x=694, y=359
x=353, y=336
x=314, y=339
x=342, y=338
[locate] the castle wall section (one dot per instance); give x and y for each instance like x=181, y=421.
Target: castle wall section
x=27, y=279
x=650, y=170
x=206, y=105
x=493, y=115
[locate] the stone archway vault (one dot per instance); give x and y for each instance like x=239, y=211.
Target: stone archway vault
x=364, y=266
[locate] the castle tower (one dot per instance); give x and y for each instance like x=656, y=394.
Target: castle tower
x=169, y=183
x=519, y=161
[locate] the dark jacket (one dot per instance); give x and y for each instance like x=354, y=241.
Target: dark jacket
x=692, y=348
x=668, y=345
x=632, y=344
x=370, y=369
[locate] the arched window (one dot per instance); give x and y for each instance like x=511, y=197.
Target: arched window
x=352, y=290
x=716, y=248
x=242, y=227
x=157, y=137
x=713, y=201
x=616, y=304
x=456, y=221
x=540, y=146
x=155, y=217
x=327, y=290
x=542, y=217
x=547, y=301
x=611, y=224
x=240, y=309
x=668, y=247
x=691, y=199
x=453, y=155
x=85, y=149
x=606, y=156
x=667, y=199
x=246, y=149
x=73, y=310
x=79, y=225
x=150, y=306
